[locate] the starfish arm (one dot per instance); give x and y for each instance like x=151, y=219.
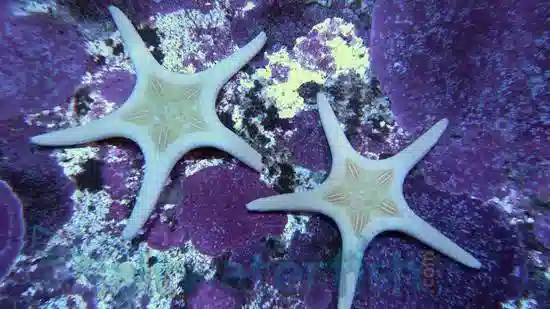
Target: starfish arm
x=231, y=143
x=409, y=156
x=299, y=201
x=352, y=257
x=336, y=138
x=426, y=233
x=223, y=70
x=133, y=44
x=156, y=173
x=95, y=130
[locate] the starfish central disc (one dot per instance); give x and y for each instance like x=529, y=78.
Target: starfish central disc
x=364, y=194
x=178, y=115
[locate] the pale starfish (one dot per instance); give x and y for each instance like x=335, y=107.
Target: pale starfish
x=365, y=197
x=167, y=114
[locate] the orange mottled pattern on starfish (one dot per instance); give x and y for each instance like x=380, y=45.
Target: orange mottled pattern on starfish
x=364, y=194
x=168, y=111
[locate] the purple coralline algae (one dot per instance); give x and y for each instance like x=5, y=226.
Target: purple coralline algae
x=214, y=217
x=283, y=21
x=542, y=228
x=45, y=192
x=211, y=295
x=309, y=145
x=43, y=61
x=484, y=66
x=12, y=228
x=96, y=10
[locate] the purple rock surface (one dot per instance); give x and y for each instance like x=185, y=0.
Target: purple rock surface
x=542, y=229
x=214, y=217
x=38, y=181
x=44, y=60
x=483, y=66
x=211, y=295
x=97, y=10
x=12, y=228
x=309, y=146
x=45, y=193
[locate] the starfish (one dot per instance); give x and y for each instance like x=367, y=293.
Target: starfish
x=167, y=114
x=365, y=198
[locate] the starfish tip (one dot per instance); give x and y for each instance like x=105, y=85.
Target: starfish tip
x=254, y=205
x=262, y=35
x=41, y=139
x=113, y=9
x=128, y=233
x=475, y=264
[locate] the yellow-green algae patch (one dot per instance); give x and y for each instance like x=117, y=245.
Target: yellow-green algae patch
x=285, y=94
x=349, y=53
x=346, y=49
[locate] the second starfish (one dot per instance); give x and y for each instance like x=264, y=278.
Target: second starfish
x=365, y=198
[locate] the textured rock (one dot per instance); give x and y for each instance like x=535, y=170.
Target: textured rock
x=332, y=46
x=483, y=67
x=38, y=181
x=45, y=193
x=97, y=10
x=211, y=295
x=213, y=214
x=284, y=21
x=542, y=228
x=44, y=61
x=12, y=228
